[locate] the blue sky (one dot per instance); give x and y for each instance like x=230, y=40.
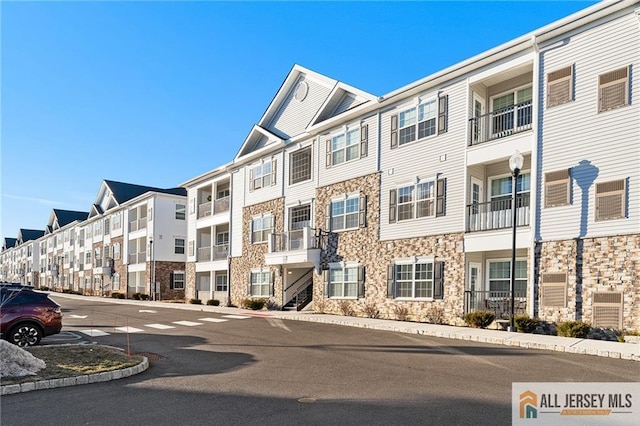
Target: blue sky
x=156, y=93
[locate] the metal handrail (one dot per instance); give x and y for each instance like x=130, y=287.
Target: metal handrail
x=500, y=123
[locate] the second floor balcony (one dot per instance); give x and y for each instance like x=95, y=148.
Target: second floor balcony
x=500, y=123
x=217, y=252
x=140, y=257
x=213, y=207
x=137, y=224
x=497, y=214
x=298, y=246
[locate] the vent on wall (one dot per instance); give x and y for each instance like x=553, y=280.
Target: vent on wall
x=554, y=289
x=560, y=86
x=610, y=200
x=557, y=188
x=607, y=310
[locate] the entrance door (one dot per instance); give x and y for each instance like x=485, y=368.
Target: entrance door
x=478, y=122
x=476, y=197
x=473, y=285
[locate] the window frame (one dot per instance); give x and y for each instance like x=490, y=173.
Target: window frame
x=522, y=282
x=180, y=211
x=177, y=248
x=257, y=281
x=417, y=121
x=355, y=281
x=173, y=280
x=344, y=215
x=264, y=231
x=433, y=284
x=624, y=81
x=302, y=155
x=265, y=177
x=621, y=192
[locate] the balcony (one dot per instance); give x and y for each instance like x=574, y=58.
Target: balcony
x=299, y=246
x=498, y=124
x=497, y=214
x=218, y=252
x=212, y=208
x=137, y=224
x=140, y=257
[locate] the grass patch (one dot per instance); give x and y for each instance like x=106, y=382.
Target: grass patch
x=75, y=360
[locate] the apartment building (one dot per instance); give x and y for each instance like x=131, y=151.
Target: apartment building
x=406, y=204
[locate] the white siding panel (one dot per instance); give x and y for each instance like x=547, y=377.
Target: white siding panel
x=238, y=201
x=597, y=146
x=294, y=116
x=303, y=190
x=352, y=169
x=441, y=155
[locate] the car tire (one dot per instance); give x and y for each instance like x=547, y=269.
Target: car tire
x=25, y=334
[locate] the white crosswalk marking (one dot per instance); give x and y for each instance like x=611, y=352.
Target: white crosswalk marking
x=150, y=311
x=187, y=323
x=212, y=319
x=128, y=329
x=236, y=316
x=93, y=332
x=159, y=326
x=77, y=316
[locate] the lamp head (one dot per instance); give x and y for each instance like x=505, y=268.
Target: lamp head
x=516, y=162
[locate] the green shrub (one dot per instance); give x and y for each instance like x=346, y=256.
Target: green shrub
x=577, y=329
x=479, y=319
x=117, y=295
x=45, y=288
x=135, y=296
x=195, y=301
x=255, y=304
x=144, y=296
x=213, y=302
x=526, y=324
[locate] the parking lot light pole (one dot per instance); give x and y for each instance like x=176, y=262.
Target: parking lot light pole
x=515, y=164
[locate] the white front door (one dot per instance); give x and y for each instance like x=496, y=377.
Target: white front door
x=478, y=111
x=476, y=197
x=473, y=285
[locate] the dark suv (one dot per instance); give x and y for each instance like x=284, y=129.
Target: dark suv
x=26, y=316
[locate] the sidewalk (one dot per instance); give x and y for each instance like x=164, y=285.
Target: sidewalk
x=607, y=349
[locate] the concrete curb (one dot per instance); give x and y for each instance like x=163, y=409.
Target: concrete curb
x=77, y=380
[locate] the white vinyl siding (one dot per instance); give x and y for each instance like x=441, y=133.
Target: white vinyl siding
x=577, y=136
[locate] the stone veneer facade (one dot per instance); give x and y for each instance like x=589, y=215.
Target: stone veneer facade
x=190, y=281
x=119, y=267
x=592, y=265
x=163, y=277
x=253, y=254
x=362, y=245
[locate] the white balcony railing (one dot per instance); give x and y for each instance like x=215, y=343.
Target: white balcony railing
x=298, y=239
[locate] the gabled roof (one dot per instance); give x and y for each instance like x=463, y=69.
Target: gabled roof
x=305, y=98
x=61, y=218
x=9, y=243
x=25, y=235
x=123, y=192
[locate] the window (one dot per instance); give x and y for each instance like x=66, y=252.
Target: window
x=299, y=217
x=222, y=193
x=415, y=279
x=501, y=189
x=426, y=119
x=116, y=251
x=613, y=89
x=260, y=284
x=611, y=200
x=557, y=188
x=117, y=222
x=500, y=277
x=300, y=166
x=346, y=213
x=97, y=228
x=510, y=107
x=345, y=282
x=347, y=146
x=66, y=236
x=107, y=226
x=181, y=212
x=221, y=282
x=560, y=87
x=261, y=227
x=177, y=280
x=179, y=246
x=97, y=282
x=222, y=238
x=115, y=282
x=262, y=175
x=87, y=258
x=423, y=199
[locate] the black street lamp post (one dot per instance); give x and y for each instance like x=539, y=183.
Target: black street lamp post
x=515, y=164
